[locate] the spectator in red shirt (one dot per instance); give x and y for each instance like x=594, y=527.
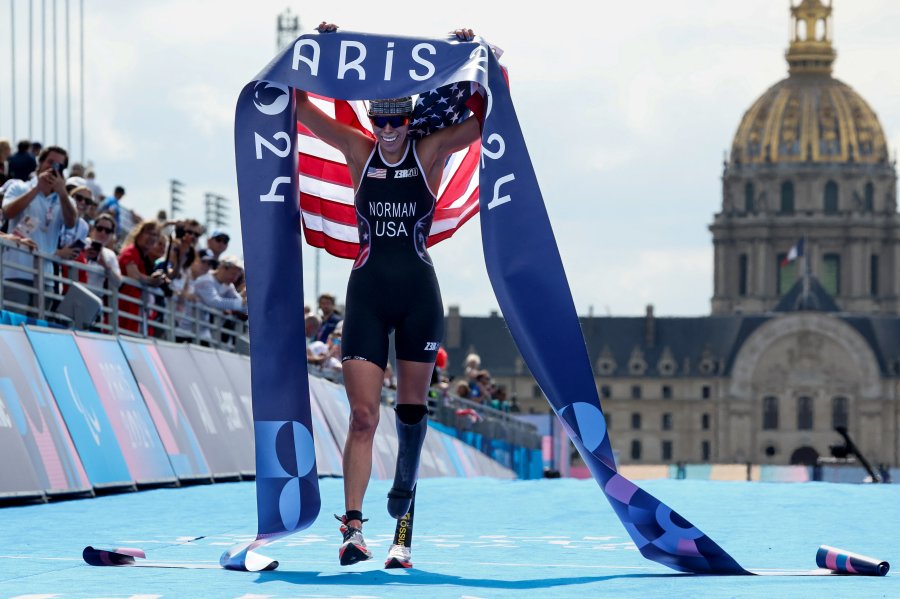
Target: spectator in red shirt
x=136, y=262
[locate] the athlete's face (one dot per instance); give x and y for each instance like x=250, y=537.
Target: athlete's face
x=390, y=131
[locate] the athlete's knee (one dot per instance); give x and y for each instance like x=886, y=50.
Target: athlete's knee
x=364, y=420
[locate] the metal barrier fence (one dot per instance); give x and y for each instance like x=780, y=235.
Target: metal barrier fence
x=39, y=289
x=153, y=314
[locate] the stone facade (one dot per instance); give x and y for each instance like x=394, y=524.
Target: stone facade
x=789, y=352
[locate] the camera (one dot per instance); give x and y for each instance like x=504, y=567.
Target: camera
x=179, y=231
x=58, y=167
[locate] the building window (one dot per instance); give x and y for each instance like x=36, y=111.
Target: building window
x=635, y=392
x=605, y=391
x=536, y=391
x=873, y=274
x=831, y=198
x=770, y=413
x=787, y=198
x=787, y=273
x=667, y=391
x=839, y=414
x=705, y=451
x=706, y=392
x=869, y=201
x=831, y=273
x=635, y=449
x=635, y=421
x=667, y=451
x=749, y=203
x=667, y=421
x=704, y=422
x=608, y=417
x=742, y=274
x=804, y=413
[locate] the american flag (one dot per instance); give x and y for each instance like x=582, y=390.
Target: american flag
x=326, y=193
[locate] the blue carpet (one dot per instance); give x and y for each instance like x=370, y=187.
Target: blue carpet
x=472, y=538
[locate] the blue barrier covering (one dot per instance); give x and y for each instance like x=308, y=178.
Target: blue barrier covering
x=166, y=409
x=81, y=411
x=38, y=455
x=84, y=413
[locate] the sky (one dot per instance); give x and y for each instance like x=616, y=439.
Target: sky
x=627, y=110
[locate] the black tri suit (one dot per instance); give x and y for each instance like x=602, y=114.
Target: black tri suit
x=393, y=286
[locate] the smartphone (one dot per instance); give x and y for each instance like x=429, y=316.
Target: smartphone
x=77, y=244
x=96, y=246
x=58, y=167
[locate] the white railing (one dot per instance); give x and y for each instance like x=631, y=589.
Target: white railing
x=169, y=318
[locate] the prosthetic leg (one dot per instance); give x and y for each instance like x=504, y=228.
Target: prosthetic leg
x=412, y=424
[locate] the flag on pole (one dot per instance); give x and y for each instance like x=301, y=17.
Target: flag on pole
x=794, y=253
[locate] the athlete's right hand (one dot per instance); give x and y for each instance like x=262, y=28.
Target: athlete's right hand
x=326, y=27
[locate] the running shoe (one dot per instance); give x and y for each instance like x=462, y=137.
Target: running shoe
x=354, y=547
x=400, y=556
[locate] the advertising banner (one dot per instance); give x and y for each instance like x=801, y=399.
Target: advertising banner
x=237, y=367
x=81, y=408
x=165, y=407
x=227, y=400
x=119, y=393
x=329, y=456
x=38, y=453
x=224, y=454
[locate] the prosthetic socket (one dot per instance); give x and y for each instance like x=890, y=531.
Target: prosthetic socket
x=412, y=424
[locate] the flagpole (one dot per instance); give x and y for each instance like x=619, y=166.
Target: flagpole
x=806, y=274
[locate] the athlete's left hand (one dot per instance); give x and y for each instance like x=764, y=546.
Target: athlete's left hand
x=464, y=34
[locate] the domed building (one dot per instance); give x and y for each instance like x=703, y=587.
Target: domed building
x=809, y=161
x=799, y=343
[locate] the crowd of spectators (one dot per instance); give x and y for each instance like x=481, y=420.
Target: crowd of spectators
x=48, y=206
x=475, y=384
x=52, y=207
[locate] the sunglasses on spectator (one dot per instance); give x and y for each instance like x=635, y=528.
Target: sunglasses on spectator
x=397, y=120
x=194, y=233
x=81, y=198
x=104, y=229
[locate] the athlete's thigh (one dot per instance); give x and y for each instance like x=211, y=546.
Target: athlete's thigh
x=420, y=331
x=413, y=380
x=365, y=334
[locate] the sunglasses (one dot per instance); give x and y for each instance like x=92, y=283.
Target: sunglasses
x=104, y=229
x=80, y=198
x=194, y=233
x=395, y=121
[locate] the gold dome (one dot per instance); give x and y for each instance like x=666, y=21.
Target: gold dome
x=810, y=116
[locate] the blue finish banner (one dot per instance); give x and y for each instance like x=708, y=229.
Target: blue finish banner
x=81, y=408
x=520, y=251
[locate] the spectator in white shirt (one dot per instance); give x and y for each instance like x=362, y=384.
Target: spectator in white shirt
x=38, y=209
x=216, y=289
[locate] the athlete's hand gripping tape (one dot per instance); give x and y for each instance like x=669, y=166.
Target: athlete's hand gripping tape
x=410, y=438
